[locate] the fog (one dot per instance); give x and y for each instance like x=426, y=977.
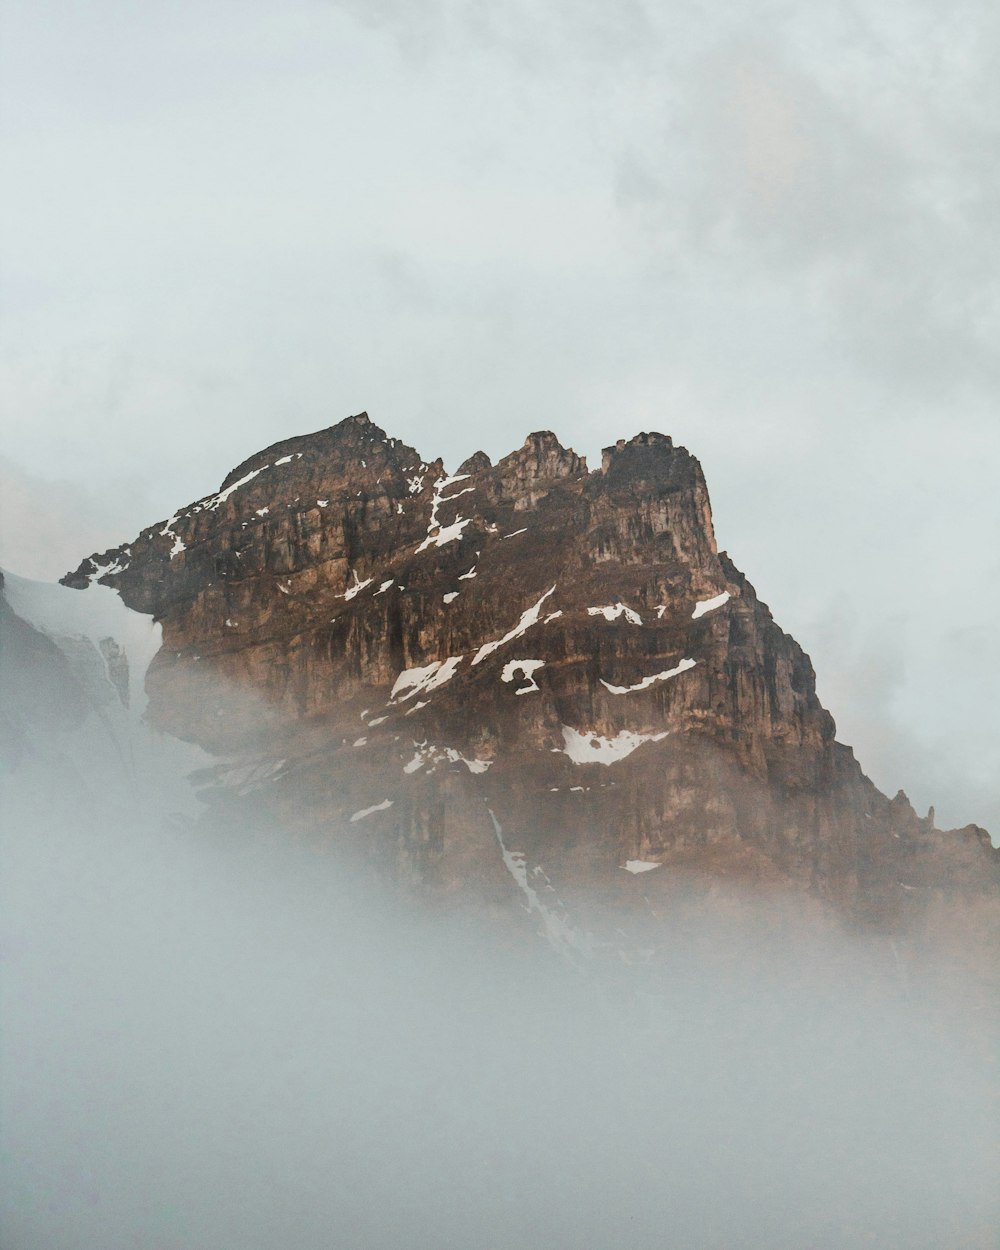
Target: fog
x=216, y=1036
x=768, y=230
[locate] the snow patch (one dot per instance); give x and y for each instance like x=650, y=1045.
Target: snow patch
x=368, y=811
x=451, y=596
x=96, y=614
x=428, y=754
x=651, y=680
x=709, y=605
x=444, y=482
x=475, y=765
x=640, y=865
x=438, y=535
x=166, y=532
x=591, y=748
x=526, y=668
x=384, y=587
x=446, y=535
x=613, y=611
x=358, y=586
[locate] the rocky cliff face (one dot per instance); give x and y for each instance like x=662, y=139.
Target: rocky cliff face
x=525, y=674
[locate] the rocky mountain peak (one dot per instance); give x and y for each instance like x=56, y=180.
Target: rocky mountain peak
x=517, y=668
x=524, y=475
x=344, y=445
x=662, y=442
x=478, y=462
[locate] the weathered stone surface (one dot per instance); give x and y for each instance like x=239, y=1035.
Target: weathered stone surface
x=432, y=669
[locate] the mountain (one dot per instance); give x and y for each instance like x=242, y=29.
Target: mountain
x=526, y=675
x=299, y=793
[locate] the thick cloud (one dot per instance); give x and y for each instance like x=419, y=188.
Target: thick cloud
x=221, y=1038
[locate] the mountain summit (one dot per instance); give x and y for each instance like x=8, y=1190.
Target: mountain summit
x=525, y=675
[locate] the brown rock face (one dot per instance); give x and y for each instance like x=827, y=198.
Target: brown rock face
x=525, y=672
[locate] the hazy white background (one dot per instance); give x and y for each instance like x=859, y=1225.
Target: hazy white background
x=768, y=229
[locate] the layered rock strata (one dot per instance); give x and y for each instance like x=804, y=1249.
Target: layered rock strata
x=524, y=676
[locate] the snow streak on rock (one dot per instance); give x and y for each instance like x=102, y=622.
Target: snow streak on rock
x=447, y=535
x=709, y=605
x=528, y=618
x=358, y=585
x=651, y=680
x=166, y=532
x=413, y=681
x=438, y=535
x=213, y=501
x=556, y=929
x=368, y=811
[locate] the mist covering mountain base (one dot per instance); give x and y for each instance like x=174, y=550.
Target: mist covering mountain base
x=214, y=1036
x=399, y=885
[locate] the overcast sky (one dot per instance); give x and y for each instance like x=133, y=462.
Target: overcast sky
x=767, y=229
